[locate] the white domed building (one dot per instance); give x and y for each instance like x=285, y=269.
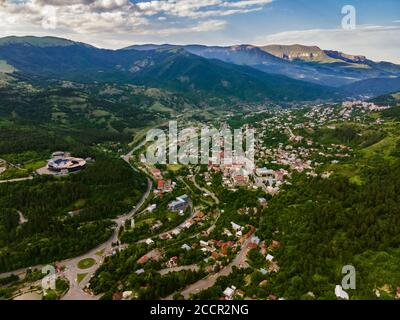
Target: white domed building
x=64, y=163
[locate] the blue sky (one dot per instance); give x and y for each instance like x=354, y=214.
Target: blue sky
x=118, y=23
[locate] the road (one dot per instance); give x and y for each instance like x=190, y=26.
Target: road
x=212, y=195
x=16, y=180
x=209, y=281
x=191, y=214
x=71, y=270
x=71, y=266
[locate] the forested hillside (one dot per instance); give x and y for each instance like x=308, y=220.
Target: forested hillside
x=66, y=216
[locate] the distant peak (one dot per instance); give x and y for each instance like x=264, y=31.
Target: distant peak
x=243, y=47
x=295, y=51
x=40, y=41
x=346, y=57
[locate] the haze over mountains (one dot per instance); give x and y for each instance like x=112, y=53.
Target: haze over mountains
x=281, y=73
x=309, y=63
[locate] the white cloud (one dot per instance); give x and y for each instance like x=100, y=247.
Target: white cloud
x=75, y=15
x=379, y=43
x=201, y=8
x=125, y=16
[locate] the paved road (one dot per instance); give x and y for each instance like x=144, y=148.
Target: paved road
x=212, y=195
x=191, y=214
x=76, y=290
x=209, y=281
x=16, y=180
x=71, y=269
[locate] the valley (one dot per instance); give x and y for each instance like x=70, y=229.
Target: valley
x=321, y=194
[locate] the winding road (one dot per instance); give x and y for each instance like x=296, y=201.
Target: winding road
x=239, y=261
x=71, y=270
x=212, y=195
x=71, y=265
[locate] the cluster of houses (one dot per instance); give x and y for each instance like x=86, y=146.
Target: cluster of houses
x=370, y=106
x=219, y=248
x=244, y=174
x=154, y=255
x=231, y=292
x=302, y=154
x=163, y=185
x=197, y=217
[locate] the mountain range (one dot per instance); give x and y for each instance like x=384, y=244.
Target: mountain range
x=245, y=72
x=308, y=63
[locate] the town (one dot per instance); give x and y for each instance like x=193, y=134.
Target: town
x=199, y=221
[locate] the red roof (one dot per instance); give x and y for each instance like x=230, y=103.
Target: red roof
x=143, y=260
x=240, y=178
x=160, y=184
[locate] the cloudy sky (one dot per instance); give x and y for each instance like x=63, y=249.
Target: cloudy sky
x=119, y=23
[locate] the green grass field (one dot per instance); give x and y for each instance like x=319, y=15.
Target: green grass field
x=81, y=276
x=86, y=263
x=32, y=166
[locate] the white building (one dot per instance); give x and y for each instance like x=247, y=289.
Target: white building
x=149, y=242
x=229, y=292
x=340, y=293
x=236, y=226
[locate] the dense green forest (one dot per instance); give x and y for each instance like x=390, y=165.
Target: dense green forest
x=73, y=106
x=326, y=224
x=105, y=189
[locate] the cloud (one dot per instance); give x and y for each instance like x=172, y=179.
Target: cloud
x=200, y=8
x=203, y=26
x=75, y=15
x=125, y=16
x=378, y=42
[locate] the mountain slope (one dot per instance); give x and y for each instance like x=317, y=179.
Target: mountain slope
x=308, y=63
x=39, y=41
x=171, y=68
x=372, y=87
x=391, y=99
x=225, y=79
x=296, y=52
x=350, y=68
x=254, y=57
